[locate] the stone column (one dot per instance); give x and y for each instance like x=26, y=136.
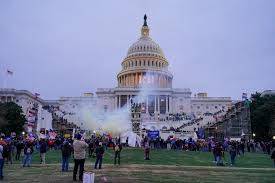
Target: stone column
x=170, y=105
x=147, y=104
x=127, y=101
x=155, y=107
x=166, y=104
x=158, y=105
x=116, y=104
x=119, y=102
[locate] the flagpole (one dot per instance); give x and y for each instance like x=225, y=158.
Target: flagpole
x=5, y=79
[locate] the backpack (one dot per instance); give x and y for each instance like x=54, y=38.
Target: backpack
x=5, y=152
x=117, y=148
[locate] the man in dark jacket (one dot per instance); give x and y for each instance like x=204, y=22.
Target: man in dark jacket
x=218, y=150
x=233, y=152
x=117, y=149
x=28, y=150
x=66, y=150
x=19, y=147
x=99, y=155
x=43, y=150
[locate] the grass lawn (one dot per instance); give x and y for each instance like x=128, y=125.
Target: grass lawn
x=164, y=166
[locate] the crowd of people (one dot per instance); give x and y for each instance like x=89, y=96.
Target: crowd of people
x=22, y=148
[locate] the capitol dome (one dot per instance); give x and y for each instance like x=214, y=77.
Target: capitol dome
x=145, y=45
x=145, y=64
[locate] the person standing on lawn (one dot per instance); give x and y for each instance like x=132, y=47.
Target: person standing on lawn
x=43, y=150
x=79, y=156
x=28, y=150
x=117, y=149
x=1, y=162
x=99, y=151
x=233, y=152
x=273, y=154
x=66, y=150
x=146, y=149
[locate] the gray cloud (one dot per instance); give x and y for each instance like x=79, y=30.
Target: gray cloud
x=64, y=48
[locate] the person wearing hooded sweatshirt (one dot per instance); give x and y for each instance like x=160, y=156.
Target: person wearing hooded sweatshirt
x=79, y=156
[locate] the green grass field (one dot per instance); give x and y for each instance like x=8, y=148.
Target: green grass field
x=164, y=166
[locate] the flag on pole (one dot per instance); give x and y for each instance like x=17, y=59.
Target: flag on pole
x=244, y=96
x=9, y=72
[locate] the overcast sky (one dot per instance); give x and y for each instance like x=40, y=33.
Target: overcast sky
x=65, y=48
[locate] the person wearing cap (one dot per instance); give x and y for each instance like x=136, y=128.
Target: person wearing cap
x=79, y=147
x=99, y=155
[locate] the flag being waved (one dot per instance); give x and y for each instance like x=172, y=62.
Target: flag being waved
x=9, y=72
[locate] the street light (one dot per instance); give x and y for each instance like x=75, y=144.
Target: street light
x=273, y=137
x=254, y=134
x=23, y=133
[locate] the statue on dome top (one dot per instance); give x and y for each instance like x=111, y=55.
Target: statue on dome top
x=145, y=20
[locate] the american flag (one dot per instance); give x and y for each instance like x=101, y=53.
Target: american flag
x=9, y=72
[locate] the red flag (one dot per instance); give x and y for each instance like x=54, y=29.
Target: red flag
x=9, y=72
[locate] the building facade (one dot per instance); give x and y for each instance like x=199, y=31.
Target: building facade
x=145, y=88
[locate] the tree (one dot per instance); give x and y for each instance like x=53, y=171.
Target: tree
x=262, y=110
x=12, y=118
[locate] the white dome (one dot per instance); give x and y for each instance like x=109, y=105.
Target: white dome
x=145, y=45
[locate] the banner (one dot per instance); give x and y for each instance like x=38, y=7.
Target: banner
x=153, y=134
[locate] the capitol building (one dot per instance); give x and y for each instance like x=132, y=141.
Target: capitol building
x=145, y=87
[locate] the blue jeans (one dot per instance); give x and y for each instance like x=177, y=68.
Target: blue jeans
x=232, y=158
x=98, y=161
x=1, y=167
x=65, y=163
x=219, y=160
x=27, y=160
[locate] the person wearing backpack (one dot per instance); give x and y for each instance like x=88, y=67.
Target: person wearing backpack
x=66, y=150
x=99, y=151
x=28, y=150
x=117, y=149
x=1, y=162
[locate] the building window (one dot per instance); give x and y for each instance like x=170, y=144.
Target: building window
x=105, y=108
x=198, y=107
x=216, y=107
